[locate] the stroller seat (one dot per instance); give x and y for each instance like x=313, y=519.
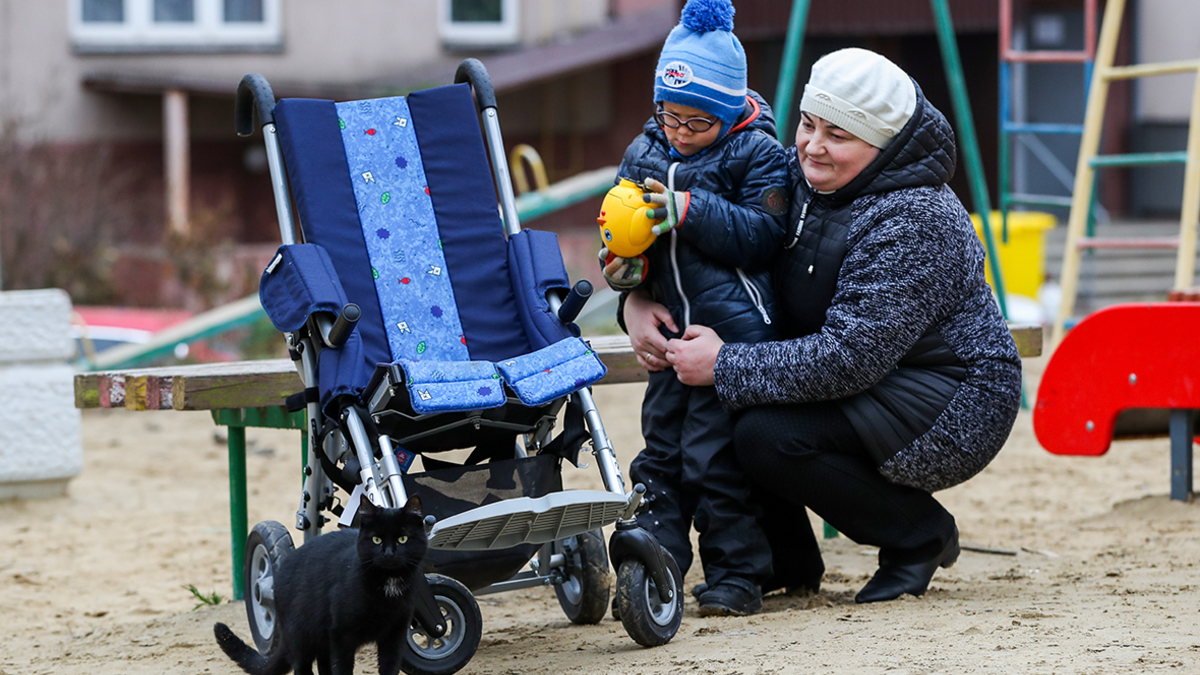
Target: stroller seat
x=423, y=319
x=397, y=205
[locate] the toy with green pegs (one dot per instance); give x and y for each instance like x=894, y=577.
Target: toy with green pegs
x=624, y=225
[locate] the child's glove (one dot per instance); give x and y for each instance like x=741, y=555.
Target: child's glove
x=623, y=274
x=669, y=206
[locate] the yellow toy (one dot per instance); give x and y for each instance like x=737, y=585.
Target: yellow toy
x=624, y=225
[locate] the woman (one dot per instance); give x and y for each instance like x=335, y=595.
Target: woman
x=898, y=376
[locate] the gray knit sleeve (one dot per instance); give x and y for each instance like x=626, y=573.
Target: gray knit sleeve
x=912, y=258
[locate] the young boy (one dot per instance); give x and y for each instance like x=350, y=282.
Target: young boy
x=719, y=183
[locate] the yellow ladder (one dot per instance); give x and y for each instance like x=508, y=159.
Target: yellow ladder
x=1089, y=160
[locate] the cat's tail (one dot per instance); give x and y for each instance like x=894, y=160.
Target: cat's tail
x=247, y=657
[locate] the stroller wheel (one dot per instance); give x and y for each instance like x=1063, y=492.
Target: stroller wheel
x=427, y=655
x=648, y=620
x=268, y=544
x=583, y=594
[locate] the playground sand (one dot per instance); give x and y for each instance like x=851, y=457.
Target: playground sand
x=1089, y=568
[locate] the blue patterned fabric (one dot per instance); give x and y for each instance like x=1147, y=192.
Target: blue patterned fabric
x=441, y=386
x=420, y=313
x=550, y=372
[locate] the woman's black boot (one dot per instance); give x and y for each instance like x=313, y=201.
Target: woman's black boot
x=893, y=580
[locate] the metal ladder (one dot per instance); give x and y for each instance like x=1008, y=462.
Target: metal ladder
x=1079, y=238
x=1027, y=132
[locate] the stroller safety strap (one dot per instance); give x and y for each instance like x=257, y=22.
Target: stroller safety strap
x=442, y=386
x=551, y=372
x=536, y=378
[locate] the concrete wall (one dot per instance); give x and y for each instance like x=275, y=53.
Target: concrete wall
x=544, y=20
x=1166, y=30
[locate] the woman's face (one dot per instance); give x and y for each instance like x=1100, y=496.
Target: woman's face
x=830, y=156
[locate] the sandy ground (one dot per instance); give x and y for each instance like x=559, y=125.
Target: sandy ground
x=1096, y=571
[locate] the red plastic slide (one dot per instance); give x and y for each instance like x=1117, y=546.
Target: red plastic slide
x=1126, y=356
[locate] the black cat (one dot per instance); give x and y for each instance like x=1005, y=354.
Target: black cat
x=340, y=591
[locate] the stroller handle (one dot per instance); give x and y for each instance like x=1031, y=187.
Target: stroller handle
x=343, y=326
x=579, y=294
x=253, y=93
x=473, y=72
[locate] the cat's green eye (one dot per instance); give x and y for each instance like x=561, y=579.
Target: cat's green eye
x=403, y=539
x=377, y=540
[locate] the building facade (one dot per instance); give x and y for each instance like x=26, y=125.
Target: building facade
x=122, y=181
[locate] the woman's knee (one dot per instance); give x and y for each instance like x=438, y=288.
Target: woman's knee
x=767, y=437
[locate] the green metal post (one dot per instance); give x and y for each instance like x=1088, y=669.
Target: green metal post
x=237, y=504
x=1004, y=186
x=792, y=46
x=969, y=142
x=236, y=420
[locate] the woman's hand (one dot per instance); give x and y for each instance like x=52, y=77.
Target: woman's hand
x=643, y=316
x=694, y=356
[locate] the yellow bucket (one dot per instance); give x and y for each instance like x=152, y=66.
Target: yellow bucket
x=1022, y=258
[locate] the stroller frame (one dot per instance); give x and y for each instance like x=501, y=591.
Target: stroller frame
x=562, y=523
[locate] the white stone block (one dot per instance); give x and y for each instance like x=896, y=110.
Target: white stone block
x=40, y=439
x=35, y=326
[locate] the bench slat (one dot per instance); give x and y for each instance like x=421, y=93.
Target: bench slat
x=262, y=383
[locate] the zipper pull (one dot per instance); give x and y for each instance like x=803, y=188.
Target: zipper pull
x=799, y=224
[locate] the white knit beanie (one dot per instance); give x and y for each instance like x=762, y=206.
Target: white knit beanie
x=861, y=92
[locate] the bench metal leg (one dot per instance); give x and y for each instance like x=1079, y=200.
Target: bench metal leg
x=237, y=504
x=235, y=420
x=1183, y=426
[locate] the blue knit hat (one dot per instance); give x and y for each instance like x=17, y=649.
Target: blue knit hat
x=702, y=64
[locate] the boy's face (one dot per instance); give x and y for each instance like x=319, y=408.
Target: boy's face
x=685, y=141
x=830, y=156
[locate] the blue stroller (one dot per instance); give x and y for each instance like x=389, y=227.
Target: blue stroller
x=421, y=321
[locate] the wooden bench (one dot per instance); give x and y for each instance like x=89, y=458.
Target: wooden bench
x=247, y=394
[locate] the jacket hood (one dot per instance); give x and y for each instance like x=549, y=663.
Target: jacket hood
x=923, y=154
x=757, y=115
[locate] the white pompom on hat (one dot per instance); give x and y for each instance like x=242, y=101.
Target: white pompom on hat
x=861, y=92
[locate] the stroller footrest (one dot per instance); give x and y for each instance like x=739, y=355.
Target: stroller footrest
x=528, y=520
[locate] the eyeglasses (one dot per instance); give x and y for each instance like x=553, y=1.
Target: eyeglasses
x=670, y=121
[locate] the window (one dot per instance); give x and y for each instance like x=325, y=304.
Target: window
x=175, y=25
x=479, y=23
